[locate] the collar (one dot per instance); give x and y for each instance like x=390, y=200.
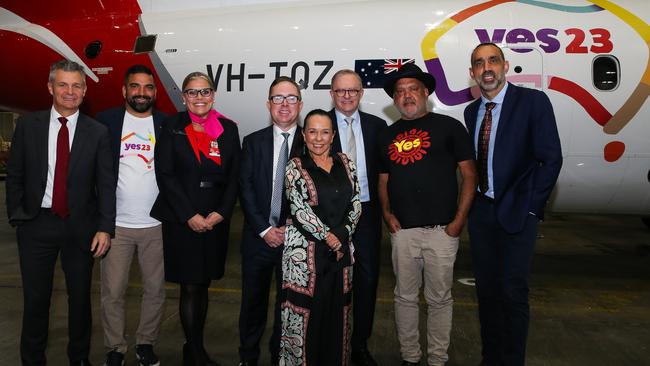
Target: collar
x=277, y=131
x=341, y=117
x=126, y=112
x=499, y=97
x=72, y=119
x=308, y=162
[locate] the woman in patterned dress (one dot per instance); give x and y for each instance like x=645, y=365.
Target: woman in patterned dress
x=323, y=193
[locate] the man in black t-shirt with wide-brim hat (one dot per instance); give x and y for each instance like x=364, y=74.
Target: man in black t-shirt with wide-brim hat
x=420, y=154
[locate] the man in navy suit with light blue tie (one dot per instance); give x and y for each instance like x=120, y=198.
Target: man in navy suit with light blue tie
x=264, y=158
x=518, y=157
x=357, y=135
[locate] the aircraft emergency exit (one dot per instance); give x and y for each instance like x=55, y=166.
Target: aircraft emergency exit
x=592, y=58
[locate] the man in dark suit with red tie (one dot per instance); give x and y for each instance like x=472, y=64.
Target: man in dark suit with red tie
x=357, y=135
x=518, y=161
x=264, y=158
x=61, y=198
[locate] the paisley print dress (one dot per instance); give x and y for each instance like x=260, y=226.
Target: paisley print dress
x=316, y=287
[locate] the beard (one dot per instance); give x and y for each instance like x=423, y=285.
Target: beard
x=498, y=80
x=140, y=107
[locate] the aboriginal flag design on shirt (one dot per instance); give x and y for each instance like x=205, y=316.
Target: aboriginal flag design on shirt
x=409, y=146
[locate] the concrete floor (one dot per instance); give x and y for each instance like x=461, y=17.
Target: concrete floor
x=590, y=301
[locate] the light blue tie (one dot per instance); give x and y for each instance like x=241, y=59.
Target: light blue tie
x=278, y=185
x=352, y=142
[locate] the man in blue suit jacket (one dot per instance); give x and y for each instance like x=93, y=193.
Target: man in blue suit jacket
x=263, y=235
x=133, y=130
x=518, y=160
x=367, y=129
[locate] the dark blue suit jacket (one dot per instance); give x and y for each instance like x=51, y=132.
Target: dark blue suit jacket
x=372, y=127
x=527, y=155
x=255, y=182
x=114, y=119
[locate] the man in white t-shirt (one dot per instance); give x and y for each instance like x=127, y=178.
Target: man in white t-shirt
x=133, y=129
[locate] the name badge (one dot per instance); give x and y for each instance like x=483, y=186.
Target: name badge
x=214, y=148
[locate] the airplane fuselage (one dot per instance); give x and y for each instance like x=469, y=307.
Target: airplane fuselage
x=590, y=57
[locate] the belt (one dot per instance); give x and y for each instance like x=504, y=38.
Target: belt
x=432, y=226
x=206, y=184
x=48, y=211
x=485, y=198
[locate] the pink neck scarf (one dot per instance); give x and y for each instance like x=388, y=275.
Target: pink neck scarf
x=210, y=124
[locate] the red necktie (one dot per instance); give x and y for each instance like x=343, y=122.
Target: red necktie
x=484, y=147
x=60, y=193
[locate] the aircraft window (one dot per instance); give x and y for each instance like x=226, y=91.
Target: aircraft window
x=93, y=48
x=144, y=44
x=606, y=72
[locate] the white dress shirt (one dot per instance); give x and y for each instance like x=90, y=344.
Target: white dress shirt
x=53, y=135
x=278, y=139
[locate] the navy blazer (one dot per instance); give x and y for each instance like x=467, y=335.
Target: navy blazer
x=256, y=180
x=91, y=195
x=527, y=155
x=372, y=128
x=114, y=119
x=178, y=173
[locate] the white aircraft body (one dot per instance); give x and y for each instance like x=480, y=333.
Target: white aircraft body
x=592, y=58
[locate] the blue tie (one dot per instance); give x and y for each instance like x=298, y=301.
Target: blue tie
x=278, y=185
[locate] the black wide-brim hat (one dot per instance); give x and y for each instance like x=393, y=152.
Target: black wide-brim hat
x=410, y=70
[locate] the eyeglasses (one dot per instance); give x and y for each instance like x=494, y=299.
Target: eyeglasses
x=194, y=93
x=279, y=99
x=350, y=92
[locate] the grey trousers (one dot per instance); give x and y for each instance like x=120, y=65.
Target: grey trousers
x=424, y=253
x=147, y=243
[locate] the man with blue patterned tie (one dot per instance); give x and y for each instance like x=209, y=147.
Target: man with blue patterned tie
x=264, y=157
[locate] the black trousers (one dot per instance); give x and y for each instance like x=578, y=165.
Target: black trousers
x=257, y=271
x=501, y=263
x=39, y=243
x=367, y=240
